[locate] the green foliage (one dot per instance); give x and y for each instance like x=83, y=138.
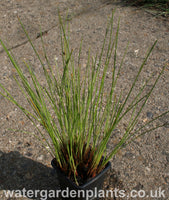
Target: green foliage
x=150, y=1
x=162, y=6
x=73, y=109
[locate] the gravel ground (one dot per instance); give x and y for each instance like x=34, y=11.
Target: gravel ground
x=144, y=164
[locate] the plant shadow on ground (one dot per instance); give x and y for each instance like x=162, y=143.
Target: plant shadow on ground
x=18, y=172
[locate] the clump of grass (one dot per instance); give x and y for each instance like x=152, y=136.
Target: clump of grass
x=73, y=109
x=161, y=6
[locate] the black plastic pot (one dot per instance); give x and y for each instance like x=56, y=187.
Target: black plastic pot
x=87, y=191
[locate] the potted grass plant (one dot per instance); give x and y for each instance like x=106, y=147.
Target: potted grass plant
x=76, y=114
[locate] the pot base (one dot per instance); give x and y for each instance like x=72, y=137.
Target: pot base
x=87, y=191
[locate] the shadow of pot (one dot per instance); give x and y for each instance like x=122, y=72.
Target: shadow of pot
x=87, y=191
